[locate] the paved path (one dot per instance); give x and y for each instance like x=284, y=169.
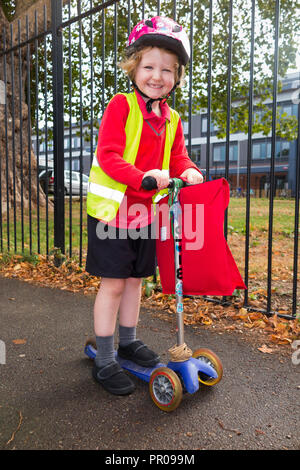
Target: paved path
x=48, y=399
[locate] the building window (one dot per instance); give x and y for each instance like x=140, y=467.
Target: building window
x=219, y=152
x=75, y=164
x=185, y=126
x=196, y=154
x=262, y=150
x=213, y=127
x=75, y=142
x=66, y=142
x=282, y=149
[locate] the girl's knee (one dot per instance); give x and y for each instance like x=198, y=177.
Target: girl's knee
x=114, y=287
x=134, y=281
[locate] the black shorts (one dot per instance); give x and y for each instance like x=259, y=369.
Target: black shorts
x=120, y=253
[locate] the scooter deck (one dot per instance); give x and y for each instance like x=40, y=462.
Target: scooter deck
x=142, y=372
x=188, y=370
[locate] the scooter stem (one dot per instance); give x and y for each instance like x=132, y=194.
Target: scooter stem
x=175, y=185
x=176, y=220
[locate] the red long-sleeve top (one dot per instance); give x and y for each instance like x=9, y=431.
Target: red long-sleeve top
x=137, y=203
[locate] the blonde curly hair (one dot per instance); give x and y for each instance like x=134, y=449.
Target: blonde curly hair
x=130, y=63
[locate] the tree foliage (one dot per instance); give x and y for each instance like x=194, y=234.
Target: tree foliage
x=109, y=39
x=94, y=46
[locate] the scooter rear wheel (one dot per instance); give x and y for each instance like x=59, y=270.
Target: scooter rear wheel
x=91, y=342
x=213, y=360
x=165, y=389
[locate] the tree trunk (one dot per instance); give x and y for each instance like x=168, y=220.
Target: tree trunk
x=16, y=162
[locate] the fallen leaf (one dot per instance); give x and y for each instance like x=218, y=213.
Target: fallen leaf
x=19, y=341
x=18, y=427
x=264, y=349
x=280, y=339
x=197, y=311
x=221, y=424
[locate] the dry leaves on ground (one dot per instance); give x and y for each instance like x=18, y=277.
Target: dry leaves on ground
x=197, y=311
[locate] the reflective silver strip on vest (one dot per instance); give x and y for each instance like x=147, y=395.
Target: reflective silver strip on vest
x=107, y=193
x=95, y=161
x=158, y=196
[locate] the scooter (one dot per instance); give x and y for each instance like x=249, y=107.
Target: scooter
x=168, y=382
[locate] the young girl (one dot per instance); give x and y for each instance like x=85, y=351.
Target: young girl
x=139, y=136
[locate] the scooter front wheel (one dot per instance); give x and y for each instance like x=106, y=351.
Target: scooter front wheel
x=165, y=389
x=211, y=359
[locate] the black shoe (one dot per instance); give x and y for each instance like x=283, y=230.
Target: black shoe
x=139, y=353
x=113, y=378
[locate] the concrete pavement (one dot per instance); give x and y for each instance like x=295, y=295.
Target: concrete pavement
x=48, y=399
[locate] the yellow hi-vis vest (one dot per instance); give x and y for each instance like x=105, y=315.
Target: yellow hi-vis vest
x=105, y=194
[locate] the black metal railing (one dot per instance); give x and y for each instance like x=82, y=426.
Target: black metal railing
x=61, y=66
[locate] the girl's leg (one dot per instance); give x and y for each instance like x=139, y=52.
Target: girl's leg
x=107, y=305
x=130, y=302
x=106, y=370
x=129, y=311
x=129, y=347
x=105, y=314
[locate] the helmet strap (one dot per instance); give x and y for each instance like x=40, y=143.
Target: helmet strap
x=151, y=100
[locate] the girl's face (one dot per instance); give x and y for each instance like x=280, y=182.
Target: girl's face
x=155, y=74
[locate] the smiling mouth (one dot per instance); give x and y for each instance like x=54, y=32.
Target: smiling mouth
x=157, y=87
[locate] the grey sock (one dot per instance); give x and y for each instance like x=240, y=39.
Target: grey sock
x=105, y=350
x=127, y=334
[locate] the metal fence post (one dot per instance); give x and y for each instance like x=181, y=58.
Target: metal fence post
x=58, y=125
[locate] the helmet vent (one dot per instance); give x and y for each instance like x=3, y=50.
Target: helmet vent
x=149, y=23
x=176, y=28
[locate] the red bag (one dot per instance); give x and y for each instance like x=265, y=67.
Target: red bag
x=208, y=267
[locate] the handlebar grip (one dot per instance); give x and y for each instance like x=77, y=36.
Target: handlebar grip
x=149, y=183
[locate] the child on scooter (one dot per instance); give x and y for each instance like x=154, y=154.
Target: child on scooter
x=139, y=136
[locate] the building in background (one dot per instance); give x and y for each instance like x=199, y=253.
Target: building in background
x=78, y=152
x=285, y=154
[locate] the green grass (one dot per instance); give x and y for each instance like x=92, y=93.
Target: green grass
x=40, y=237
x=283, y=216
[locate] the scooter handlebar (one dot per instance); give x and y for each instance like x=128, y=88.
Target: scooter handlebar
x=149, y=183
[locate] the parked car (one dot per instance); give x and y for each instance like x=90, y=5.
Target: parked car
x=49, y=174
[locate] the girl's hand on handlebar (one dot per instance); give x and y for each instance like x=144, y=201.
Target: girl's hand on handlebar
x=192, y=176
x=161, y=177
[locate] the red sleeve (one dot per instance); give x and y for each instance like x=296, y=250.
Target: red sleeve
x=111, y=144
x=180, y=161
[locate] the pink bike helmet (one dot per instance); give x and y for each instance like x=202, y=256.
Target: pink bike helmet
x=161, y=32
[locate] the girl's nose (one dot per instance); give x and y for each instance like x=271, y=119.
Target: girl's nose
x=156, y=74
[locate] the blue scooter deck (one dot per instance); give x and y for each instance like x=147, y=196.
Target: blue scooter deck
x=188, y=370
